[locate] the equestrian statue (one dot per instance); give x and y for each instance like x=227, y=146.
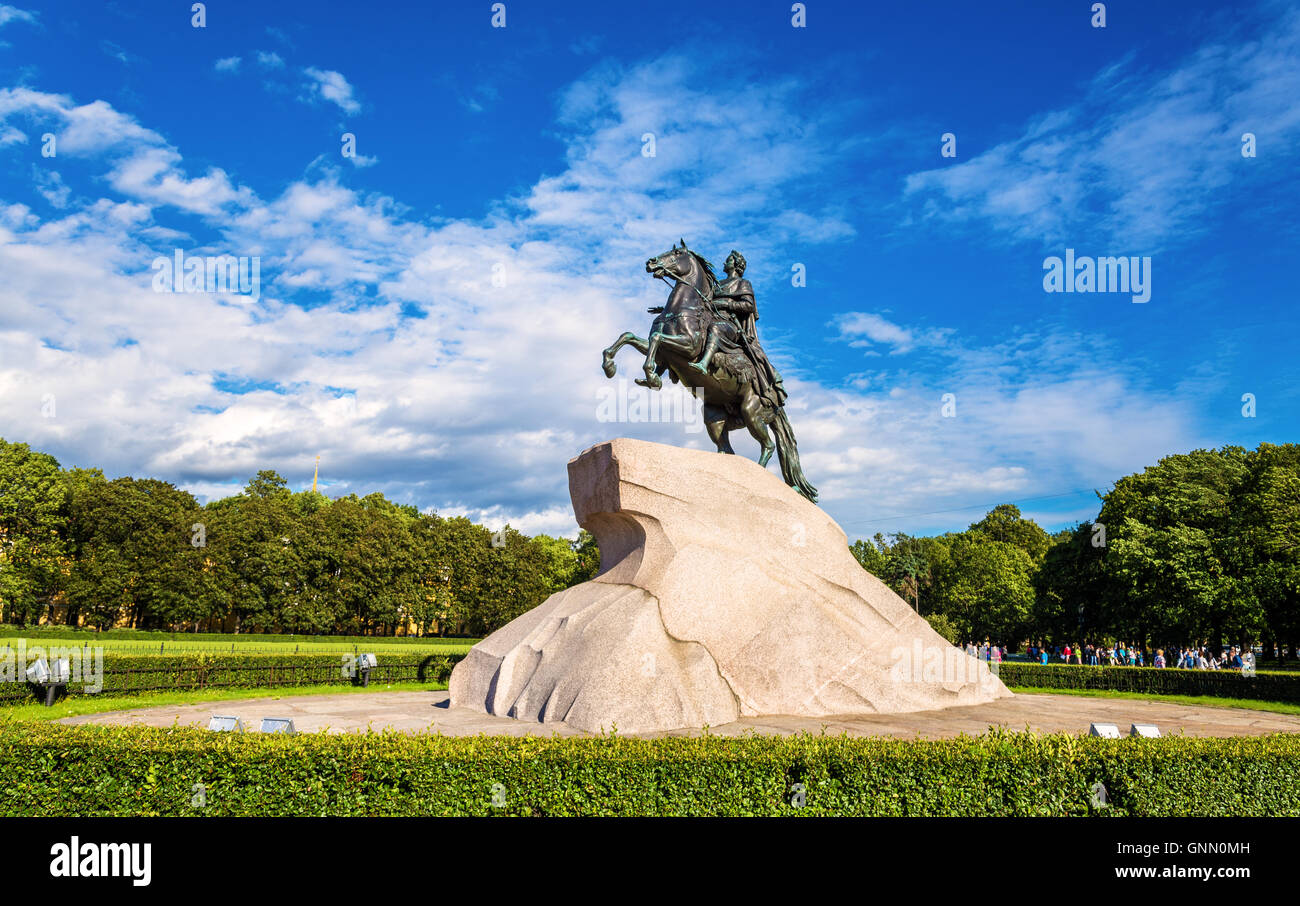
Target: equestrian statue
x=705, y=337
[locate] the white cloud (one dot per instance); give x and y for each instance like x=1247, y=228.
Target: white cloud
x=144, y=166
x=117, y=52
x=1034, y=415
x=1142, y=158
x=51, y=186
x=88, y=128
x=227, y=64
x=865, y=330
x=333, y=87
x=269, y=59
x=155, y=175
x=14, y=14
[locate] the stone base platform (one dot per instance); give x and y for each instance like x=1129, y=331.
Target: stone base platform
x=723, y=596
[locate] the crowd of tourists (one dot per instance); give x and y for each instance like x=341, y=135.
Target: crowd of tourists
x=1117, y=655
x=1122, y=655
x=994, y=654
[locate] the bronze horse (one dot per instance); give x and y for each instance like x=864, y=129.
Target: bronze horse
x=732, y=389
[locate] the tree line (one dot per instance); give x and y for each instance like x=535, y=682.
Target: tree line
x=80, y=549
x=1201, y=548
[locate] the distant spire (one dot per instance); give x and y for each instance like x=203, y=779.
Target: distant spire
x=316, y=474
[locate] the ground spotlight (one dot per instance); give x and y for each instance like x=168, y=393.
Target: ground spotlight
x=1105, y=731
x=365, y=663
x=278, y=725
x=38, y=672
x=1150, y=731
x=226, y=724
x=51, y=678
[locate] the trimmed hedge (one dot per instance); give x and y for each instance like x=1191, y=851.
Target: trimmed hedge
x=142, y=673
x=1273, y=687
x=55, y=770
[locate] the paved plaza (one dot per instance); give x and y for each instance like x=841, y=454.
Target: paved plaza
x=429, y=712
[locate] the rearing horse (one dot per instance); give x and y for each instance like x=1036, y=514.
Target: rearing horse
x=730, y=389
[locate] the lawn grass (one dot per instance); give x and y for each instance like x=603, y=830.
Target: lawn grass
x=1204, y=701
x=244, y=645
x=9, y=630
x=97, y=704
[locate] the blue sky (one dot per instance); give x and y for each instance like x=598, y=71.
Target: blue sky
x=380, y=340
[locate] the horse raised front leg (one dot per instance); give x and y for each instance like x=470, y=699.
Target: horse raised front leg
x=651, y=379
x=625, y=339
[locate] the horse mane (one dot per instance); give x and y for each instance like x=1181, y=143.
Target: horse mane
x=704, y=263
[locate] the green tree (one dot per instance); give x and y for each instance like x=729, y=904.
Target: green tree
x=1004, y=523
x=873, y=554
x=986, y=588
x=1071, y=599
x=1171, y=551
x=1266, y=534
x=587, y=554
x=33, y=512
x=251, y=549
x=133, y=554
x=945, y=627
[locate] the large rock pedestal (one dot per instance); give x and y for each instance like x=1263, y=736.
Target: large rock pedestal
x=722, y=593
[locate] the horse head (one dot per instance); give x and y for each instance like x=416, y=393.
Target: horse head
x=681, y=264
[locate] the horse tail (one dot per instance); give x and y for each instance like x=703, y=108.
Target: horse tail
x=787, y=451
